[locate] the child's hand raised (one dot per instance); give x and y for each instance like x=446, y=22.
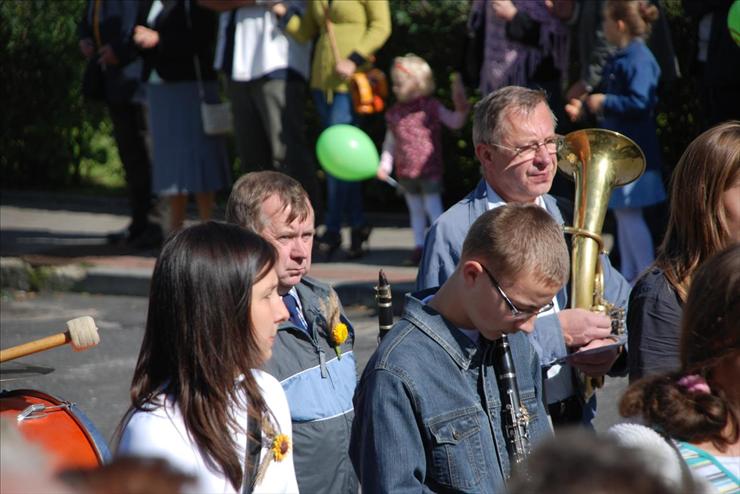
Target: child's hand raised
x=595, y=102
x=459, y=98
x=504, y=9
x=145, y=38
x=574, y=109
x=279, y=9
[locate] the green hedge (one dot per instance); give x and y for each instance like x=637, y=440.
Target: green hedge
x=47, y=131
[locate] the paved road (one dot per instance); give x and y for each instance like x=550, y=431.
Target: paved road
x=98, y=379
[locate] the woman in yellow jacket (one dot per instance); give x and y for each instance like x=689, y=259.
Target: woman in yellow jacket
x=360, y=27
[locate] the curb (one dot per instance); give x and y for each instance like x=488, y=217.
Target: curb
x=17, y=274
x=20, y=275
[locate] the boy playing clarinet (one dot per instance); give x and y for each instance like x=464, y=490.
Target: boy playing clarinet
x=431, y=410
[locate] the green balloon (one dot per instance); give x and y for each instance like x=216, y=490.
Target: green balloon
x=347, y=153
x=733, y=21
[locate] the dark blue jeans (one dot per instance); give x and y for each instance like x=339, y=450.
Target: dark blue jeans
x=342, y=197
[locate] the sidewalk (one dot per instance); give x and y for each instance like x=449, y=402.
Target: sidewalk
x=57, y=242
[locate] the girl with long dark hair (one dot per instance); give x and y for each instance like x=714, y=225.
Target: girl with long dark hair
x=198, y=399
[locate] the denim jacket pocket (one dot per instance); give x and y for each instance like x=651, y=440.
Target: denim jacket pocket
x=457, y=449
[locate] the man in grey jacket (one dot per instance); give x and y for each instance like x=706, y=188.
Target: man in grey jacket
x=312, y=356
x=515, y=142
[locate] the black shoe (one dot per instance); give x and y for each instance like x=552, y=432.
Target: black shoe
x=117, y=238
x=150, y=238
x=328, y=243
x=359, y=238
x=123, y=237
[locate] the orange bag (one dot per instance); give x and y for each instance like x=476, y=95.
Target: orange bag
x=369, y=90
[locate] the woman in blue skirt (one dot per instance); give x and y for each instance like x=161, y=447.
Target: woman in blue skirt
x=177, y=43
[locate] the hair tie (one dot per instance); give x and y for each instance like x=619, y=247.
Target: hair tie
x=694, y=383
x=400, y=67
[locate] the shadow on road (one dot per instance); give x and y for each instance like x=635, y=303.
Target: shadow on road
x=49, y=248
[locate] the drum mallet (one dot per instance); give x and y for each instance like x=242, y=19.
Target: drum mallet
x=81, y=332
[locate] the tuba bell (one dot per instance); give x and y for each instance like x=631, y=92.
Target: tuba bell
x=597, y=160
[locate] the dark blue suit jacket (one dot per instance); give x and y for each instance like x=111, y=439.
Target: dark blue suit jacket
x=117, y=19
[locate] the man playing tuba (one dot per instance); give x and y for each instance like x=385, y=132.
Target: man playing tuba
x=515, y=142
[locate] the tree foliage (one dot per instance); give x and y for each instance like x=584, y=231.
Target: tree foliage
x=47, y=130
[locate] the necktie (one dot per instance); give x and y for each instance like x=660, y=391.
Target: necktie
x=292, y=305
x=227, y=64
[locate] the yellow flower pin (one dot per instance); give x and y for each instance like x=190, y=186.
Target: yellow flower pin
x=339, y=335
x=280, y=447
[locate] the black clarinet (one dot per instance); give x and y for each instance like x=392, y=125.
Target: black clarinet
x=515, y=415
x=384, y=301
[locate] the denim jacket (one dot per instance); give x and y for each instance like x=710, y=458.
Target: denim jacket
x=428, y=410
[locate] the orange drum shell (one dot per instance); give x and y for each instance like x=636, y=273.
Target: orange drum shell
x=60, y=433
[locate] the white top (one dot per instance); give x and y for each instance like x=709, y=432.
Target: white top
x=161, y=433
x=659, y=457
x=260, y=46
x=731, y=463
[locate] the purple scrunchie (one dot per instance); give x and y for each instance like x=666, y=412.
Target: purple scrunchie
x=694, y=383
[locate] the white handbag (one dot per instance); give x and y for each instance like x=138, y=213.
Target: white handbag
x=217, y=118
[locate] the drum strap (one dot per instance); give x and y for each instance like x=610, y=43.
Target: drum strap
x=254, y=446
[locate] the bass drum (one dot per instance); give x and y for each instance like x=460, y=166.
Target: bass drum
x=57, y=426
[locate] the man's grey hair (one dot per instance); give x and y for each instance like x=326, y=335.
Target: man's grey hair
x=489, y=117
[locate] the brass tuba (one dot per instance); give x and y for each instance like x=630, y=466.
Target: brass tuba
x=597, y=160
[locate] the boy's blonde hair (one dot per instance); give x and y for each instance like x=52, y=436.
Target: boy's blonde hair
x=519, y=238
x=417, y=68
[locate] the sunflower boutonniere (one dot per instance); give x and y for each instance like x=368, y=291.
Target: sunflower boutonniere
x=280, y=446
x=278, y=443
x=338, y=336
x=336, y=329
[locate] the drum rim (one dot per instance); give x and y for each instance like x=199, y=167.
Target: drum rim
x=93, y=434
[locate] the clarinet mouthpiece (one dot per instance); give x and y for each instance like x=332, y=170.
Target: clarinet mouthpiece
x=384, y=302
x=382, y=280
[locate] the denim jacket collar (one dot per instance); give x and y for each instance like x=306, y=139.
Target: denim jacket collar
x=461, y=349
